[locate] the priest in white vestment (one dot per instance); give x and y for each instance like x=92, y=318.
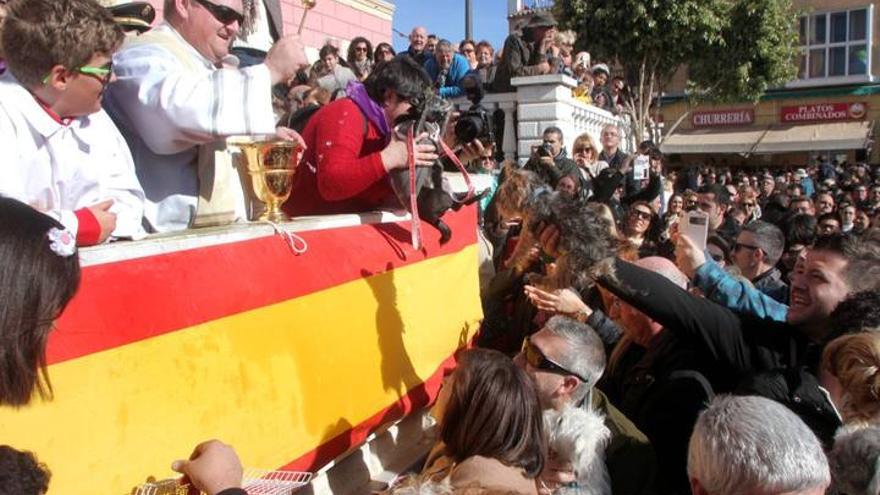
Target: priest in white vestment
x=175, y=104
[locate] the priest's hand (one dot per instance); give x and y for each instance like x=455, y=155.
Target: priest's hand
x=289, y=134
x=285, y=58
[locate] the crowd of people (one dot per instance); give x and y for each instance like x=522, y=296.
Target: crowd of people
x=537, y=48
x=709, y=351
x=617, y=353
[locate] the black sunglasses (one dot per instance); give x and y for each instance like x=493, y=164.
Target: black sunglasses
x=641, y=215
x=739, y=245
x=538, y=360
x=226, y=15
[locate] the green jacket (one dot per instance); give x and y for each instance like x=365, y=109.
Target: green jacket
x=629, y=457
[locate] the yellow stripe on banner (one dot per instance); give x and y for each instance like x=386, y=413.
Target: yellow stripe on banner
x=275, y=382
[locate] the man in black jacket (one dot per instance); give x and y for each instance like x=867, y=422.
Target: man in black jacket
x=660, y=380
x=551, y=162
x=525, y=55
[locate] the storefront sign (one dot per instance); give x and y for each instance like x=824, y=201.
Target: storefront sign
x=720, y=118
x=824, y=112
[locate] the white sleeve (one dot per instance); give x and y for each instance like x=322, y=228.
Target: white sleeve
x=173, y=109
x=120, y=183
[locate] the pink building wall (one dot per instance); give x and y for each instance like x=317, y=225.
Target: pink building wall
x=329, y=19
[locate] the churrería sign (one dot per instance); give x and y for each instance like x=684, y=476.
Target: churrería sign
x=720, y=118
x=824, y=112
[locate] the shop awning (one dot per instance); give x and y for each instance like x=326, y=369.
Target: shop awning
x=815, y=137
x=713, y=141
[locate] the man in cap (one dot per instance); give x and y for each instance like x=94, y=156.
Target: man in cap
x=133, y=17
x=526, y=55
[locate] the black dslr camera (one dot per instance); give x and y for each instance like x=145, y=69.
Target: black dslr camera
x=475, y=122
x=544, y=151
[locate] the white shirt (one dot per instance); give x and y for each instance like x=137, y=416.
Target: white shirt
x=167, y=101
x=59, y=169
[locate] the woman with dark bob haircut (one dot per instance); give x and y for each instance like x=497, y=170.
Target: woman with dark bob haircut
x=491, y=427
x=39, y=273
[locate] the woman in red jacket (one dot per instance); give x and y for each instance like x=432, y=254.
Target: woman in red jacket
x=352, y=148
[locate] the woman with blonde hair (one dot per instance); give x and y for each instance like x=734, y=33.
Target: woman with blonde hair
x=585, y=154
x=851, y=374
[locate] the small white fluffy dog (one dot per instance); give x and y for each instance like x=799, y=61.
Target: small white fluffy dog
x=579, y=436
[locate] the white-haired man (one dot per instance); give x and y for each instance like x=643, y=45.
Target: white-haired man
x=753, y=445
x=177, y=98
x=566, y=358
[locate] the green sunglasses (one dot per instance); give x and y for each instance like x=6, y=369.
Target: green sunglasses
x=103, y=74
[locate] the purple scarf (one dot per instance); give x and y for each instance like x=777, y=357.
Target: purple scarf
x=371, y=110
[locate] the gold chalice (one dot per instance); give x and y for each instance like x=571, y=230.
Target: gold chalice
x=271, y=163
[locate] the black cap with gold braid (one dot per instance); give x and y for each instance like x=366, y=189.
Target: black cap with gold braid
x=132, y=16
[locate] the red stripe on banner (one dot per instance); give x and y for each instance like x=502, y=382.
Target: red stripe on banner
x=415, y=399
x=125, y=302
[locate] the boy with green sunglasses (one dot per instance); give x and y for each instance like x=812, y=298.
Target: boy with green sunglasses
x=64, y=155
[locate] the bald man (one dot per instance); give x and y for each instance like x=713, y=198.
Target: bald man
x=658, y=380
x=418, y=41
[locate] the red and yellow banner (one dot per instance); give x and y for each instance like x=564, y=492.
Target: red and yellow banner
x=291, y=359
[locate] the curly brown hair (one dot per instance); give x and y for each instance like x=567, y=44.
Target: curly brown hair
x=56, y=32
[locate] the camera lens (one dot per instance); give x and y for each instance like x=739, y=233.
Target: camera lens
x=468, y=128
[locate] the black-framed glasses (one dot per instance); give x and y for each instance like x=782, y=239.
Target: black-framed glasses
x=538, y=360
x=226, y=15
x=739, y=245
x=360, y=49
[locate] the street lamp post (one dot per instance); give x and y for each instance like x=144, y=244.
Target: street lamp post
x=468, y=20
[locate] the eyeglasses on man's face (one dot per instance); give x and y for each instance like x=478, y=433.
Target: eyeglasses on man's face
x=538, y=360
x=225, y=15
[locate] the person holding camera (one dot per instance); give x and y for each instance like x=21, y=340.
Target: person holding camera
x=549, y=160
x=352, y=147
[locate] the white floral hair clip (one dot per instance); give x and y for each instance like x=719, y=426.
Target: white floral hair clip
x=61, y=242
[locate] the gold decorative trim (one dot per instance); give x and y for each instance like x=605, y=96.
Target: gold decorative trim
x=379, y=8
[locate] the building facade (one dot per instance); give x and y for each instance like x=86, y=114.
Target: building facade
x=830, y=110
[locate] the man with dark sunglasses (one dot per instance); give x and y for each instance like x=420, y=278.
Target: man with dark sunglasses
x=566, y=358
x=758, y=248
x=179, y=94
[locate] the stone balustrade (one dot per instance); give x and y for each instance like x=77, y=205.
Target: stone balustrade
x=540, y=102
